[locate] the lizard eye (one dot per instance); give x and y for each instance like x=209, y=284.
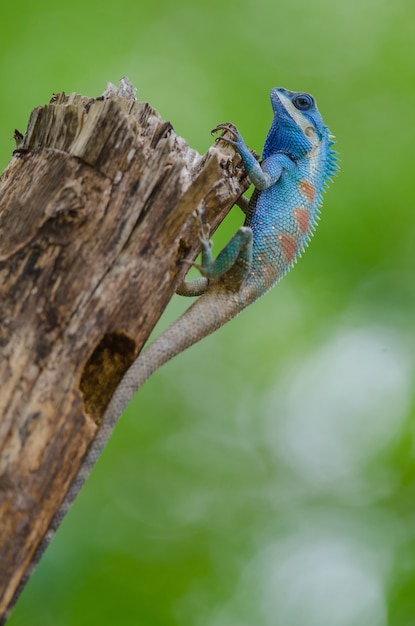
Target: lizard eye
x=303, y=101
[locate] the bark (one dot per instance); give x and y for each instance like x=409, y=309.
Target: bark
x=95, y=218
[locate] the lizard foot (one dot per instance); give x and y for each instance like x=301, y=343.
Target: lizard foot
x=227, y=127
x=204, y=238
x=203, y=228
x=232, y=136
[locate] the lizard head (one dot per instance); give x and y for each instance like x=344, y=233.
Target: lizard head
x=298, y=128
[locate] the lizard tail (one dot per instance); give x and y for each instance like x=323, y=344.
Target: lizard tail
x=211, y=311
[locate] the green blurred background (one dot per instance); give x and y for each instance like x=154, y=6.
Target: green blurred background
x=267, y=476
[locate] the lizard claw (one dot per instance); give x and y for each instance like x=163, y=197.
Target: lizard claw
x=227, y=127
x=204, y=238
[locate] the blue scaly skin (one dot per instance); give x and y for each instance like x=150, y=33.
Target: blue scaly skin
x=298, y=161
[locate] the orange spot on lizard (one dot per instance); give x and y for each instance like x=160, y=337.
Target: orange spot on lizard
x=303, y=219
x=307, y=189
x=288, y=246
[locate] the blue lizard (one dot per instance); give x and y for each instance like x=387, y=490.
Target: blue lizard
x=297, y=162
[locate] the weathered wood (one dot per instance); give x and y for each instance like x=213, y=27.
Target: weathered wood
x=95, y=217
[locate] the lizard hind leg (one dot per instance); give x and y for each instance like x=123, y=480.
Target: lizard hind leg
x=232, y=264
x=229, y=269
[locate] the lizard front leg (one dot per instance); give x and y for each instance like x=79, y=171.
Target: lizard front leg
x=258, y=177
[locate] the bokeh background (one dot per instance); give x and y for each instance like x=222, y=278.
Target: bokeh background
x=267, y=476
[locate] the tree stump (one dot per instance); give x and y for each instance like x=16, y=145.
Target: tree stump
x=95, y=218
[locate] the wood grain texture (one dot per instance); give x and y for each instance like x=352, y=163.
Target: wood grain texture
x=95, y=217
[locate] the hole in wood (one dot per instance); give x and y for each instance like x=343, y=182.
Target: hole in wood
x=103, y=372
